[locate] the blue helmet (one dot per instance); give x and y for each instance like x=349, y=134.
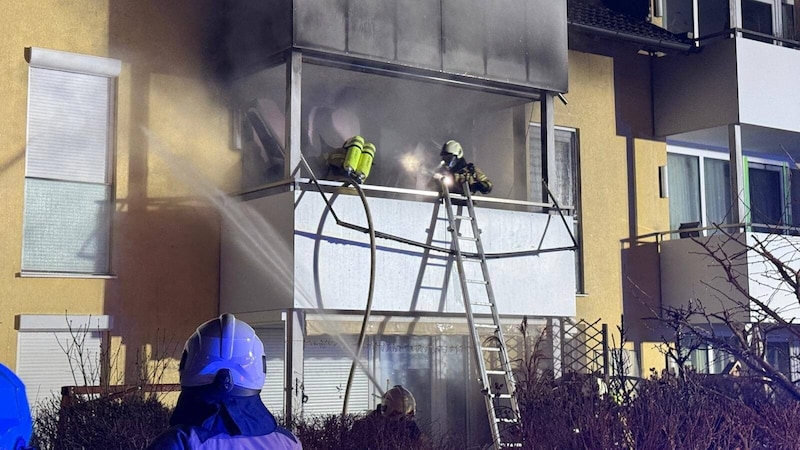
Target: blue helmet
x=16, y=425
x=226, y=352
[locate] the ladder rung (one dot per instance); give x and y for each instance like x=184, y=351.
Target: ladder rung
x=500, y=396
x=506, y=420
x=482, y=303
x=499, y=435
x=436, y=264
x=431, y=288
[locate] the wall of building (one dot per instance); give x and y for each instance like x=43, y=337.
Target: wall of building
x=171, y=122
x=604, y=196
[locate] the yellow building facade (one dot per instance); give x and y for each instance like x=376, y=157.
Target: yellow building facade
x=170, y=152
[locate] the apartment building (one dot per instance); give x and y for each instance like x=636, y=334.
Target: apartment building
x=163, y=164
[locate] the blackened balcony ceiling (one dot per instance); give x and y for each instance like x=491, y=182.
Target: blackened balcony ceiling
x=517, y=45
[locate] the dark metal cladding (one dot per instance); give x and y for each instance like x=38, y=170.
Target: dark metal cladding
x=519, y=42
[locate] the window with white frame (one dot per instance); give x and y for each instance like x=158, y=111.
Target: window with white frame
x=699, y=189
x=779, y=351
x=68, y=171
x=274, y=347
x=565, y=188
x=59, y=350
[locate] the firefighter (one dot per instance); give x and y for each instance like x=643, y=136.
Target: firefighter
x=222, y=371
x=16, y=425
x=453, y=162
x=393, y=419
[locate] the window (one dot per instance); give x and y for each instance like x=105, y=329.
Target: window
x=48, y=355
x=757, y=16
x=326, y=367
x=438, y=369
x=683, y=173
x=787, y=17
x=771, y=186
x=274, y=347
x=565, y=188
x=768, y=17
x=68, y=176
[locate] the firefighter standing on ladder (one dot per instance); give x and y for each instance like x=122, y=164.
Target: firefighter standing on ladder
x=453, y=161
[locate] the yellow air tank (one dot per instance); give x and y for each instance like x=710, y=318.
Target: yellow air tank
x=365, y=162
x=353, y=149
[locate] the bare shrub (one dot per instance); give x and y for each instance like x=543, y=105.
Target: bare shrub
x=128, y=423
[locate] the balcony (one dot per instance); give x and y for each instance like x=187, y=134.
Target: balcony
x=326, y=266
x=724, y=270
x=741, y=74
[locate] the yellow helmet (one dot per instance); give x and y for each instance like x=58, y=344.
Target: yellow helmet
x=398, y=401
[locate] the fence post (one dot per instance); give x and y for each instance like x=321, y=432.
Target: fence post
x=604, y=332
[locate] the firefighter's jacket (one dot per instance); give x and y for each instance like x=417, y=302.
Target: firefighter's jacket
x=475, y=179
x=241, y=423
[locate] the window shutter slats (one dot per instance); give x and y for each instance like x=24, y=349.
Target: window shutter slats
x=44, y=367
x=272, y=393
x=68, y=122
x=326, y=368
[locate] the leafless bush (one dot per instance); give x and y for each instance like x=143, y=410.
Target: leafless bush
x=336, y=432
x=104, y=416
x=128, y=423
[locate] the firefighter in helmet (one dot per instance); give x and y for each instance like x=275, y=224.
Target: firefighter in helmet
x=16, y=425
x=463, y=172
x=393, y=419
x=222, y=371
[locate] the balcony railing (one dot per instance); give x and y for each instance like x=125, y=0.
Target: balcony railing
x=689, y=232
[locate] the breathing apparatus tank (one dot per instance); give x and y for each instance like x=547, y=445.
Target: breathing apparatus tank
x=365, y=162
x=353, y=151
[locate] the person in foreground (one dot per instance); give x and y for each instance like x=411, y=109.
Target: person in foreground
x=222, y=371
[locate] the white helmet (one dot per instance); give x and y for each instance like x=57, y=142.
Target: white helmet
x=226, y=352
x=399, y=401
x=452, y=147
x=452, y=154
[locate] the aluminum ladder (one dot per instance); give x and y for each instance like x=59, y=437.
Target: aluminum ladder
x=496, y=377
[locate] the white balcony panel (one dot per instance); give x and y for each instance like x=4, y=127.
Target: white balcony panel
x=690, y=273
x=334, y=261
x=767, y=78
x=730, y=81
x=766, y=284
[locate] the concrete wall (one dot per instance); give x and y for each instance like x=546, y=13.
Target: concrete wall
x=165, y=250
